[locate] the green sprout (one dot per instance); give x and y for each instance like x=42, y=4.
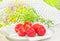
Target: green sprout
x=22, y=14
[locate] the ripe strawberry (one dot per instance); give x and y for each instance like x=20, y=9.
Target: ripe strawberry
x=39, y=29
x=31, y=32
x=36, y=26
x=21, y=32
x=27, y=25
x=18, y=26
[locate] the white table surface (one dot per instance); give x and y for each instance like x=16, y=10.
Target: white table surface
x=55, y=37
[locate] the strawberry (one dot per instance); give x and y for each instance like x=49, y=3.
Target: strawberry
x=39, y=29
x=31, y=32
x=27, y=25
x=21, y=32
x=18, y=26
x=35, y=26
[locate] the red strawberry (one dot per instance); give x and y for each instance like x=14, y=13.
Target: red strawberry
x=31, y=32
x=27, y=25
x=39, y=29
x=21, y=32
x=35, y=26
x=18, y=26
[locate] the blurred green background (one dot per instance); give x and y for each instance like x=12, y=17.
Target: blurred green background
x=54, y=3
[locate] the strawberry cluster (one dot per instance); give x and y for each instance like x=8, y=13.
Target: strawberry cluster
x=30, y=29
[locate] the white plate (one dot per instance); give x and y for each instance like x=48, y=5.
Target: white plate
x=10, y=33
